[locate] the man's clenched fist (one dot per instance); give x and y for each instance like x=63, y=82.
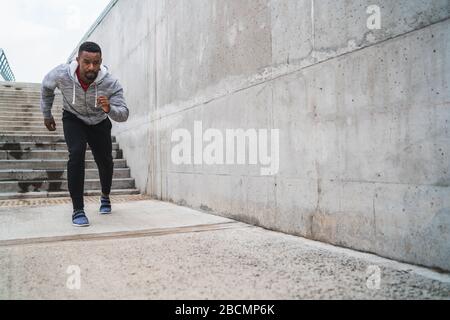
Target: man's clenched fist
x=50, y=124
x=103, y=102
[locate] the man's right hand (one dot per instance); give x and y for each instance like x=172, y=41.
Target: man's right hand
x=50, y=124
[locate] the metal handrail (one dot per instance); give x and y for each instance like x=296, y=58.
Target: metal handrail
x=5, y=70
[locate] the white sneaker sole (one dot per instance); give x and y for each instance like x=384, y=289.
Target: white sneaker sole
x=81, y=225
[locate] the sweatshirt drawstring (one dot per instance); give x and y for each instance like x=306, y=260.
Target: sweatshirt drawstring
x=96, y=95
x=73, y=99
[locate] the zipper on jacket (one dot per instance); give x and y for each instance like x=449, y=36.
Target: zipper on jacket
x=85, y=103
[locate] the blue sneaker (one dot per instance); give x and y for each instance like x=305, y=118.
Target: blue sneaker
x=79, y=219
x=105, y=207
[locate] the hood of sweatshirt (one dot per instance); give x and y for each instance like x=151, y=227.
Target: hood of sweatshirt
x=73, y=66
x=83, y=103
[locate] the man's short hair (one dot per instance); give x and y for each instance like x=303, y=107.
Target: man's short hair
x=90, y=47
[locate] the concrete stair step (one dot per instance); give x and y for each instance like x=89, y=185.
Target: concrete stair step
x=24, y=96
x=33, y=133
x=22, y=85
x=47, y=154
x=25, y=123
x=44, y=130
x=15, y=86
x=51, y=164
x=36, y=90
x=25, y=120
x=19, y=93
x=27, y=108
x=63, y=194
x=23, y=92
x=23, y=109
x=8, y=106
x=59, y=185
x=37, y=138
x=17, y=97
x=30, y=103
x=34, y=138
x=5, y=105
x=26, y=128
x=29, y=115
x=25, y=100
x=20, y=121
x=26, y=175
x=29, y=146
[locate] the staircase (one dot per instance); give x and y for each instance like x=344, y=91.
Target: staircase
x=33, y=160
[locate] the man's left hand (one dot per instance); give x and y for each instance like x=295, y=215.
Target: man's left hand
x=103, y=102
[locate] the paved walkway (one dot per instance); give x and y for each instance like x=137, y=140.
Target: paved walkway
x=154, y=250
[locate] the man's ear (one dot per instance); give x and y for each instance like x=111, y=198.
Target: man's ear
x=78, y=60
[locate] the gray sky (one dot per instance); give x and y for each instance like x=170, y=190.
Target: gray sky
x=38, y=35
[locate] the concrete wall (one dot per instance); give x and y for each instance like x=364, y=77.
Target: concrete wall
x=363, y=114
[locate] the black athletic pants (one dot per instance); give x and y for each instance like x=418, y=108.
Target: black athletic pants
x=77, y=135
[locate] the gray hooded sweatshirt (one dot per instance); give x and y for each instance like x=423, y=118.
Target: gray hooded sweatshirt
x=83, y=104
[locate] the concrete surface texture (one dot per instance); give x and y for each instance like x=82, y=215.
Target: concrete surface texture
x=154, y=250
x=363, y=114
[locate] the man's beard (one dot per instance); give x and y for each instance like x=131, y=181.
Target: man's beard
x=91, y=76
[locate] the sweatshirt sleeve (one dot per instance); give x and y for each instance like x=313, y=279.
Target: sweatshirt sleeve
x=119, y=110
x=48, y=87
